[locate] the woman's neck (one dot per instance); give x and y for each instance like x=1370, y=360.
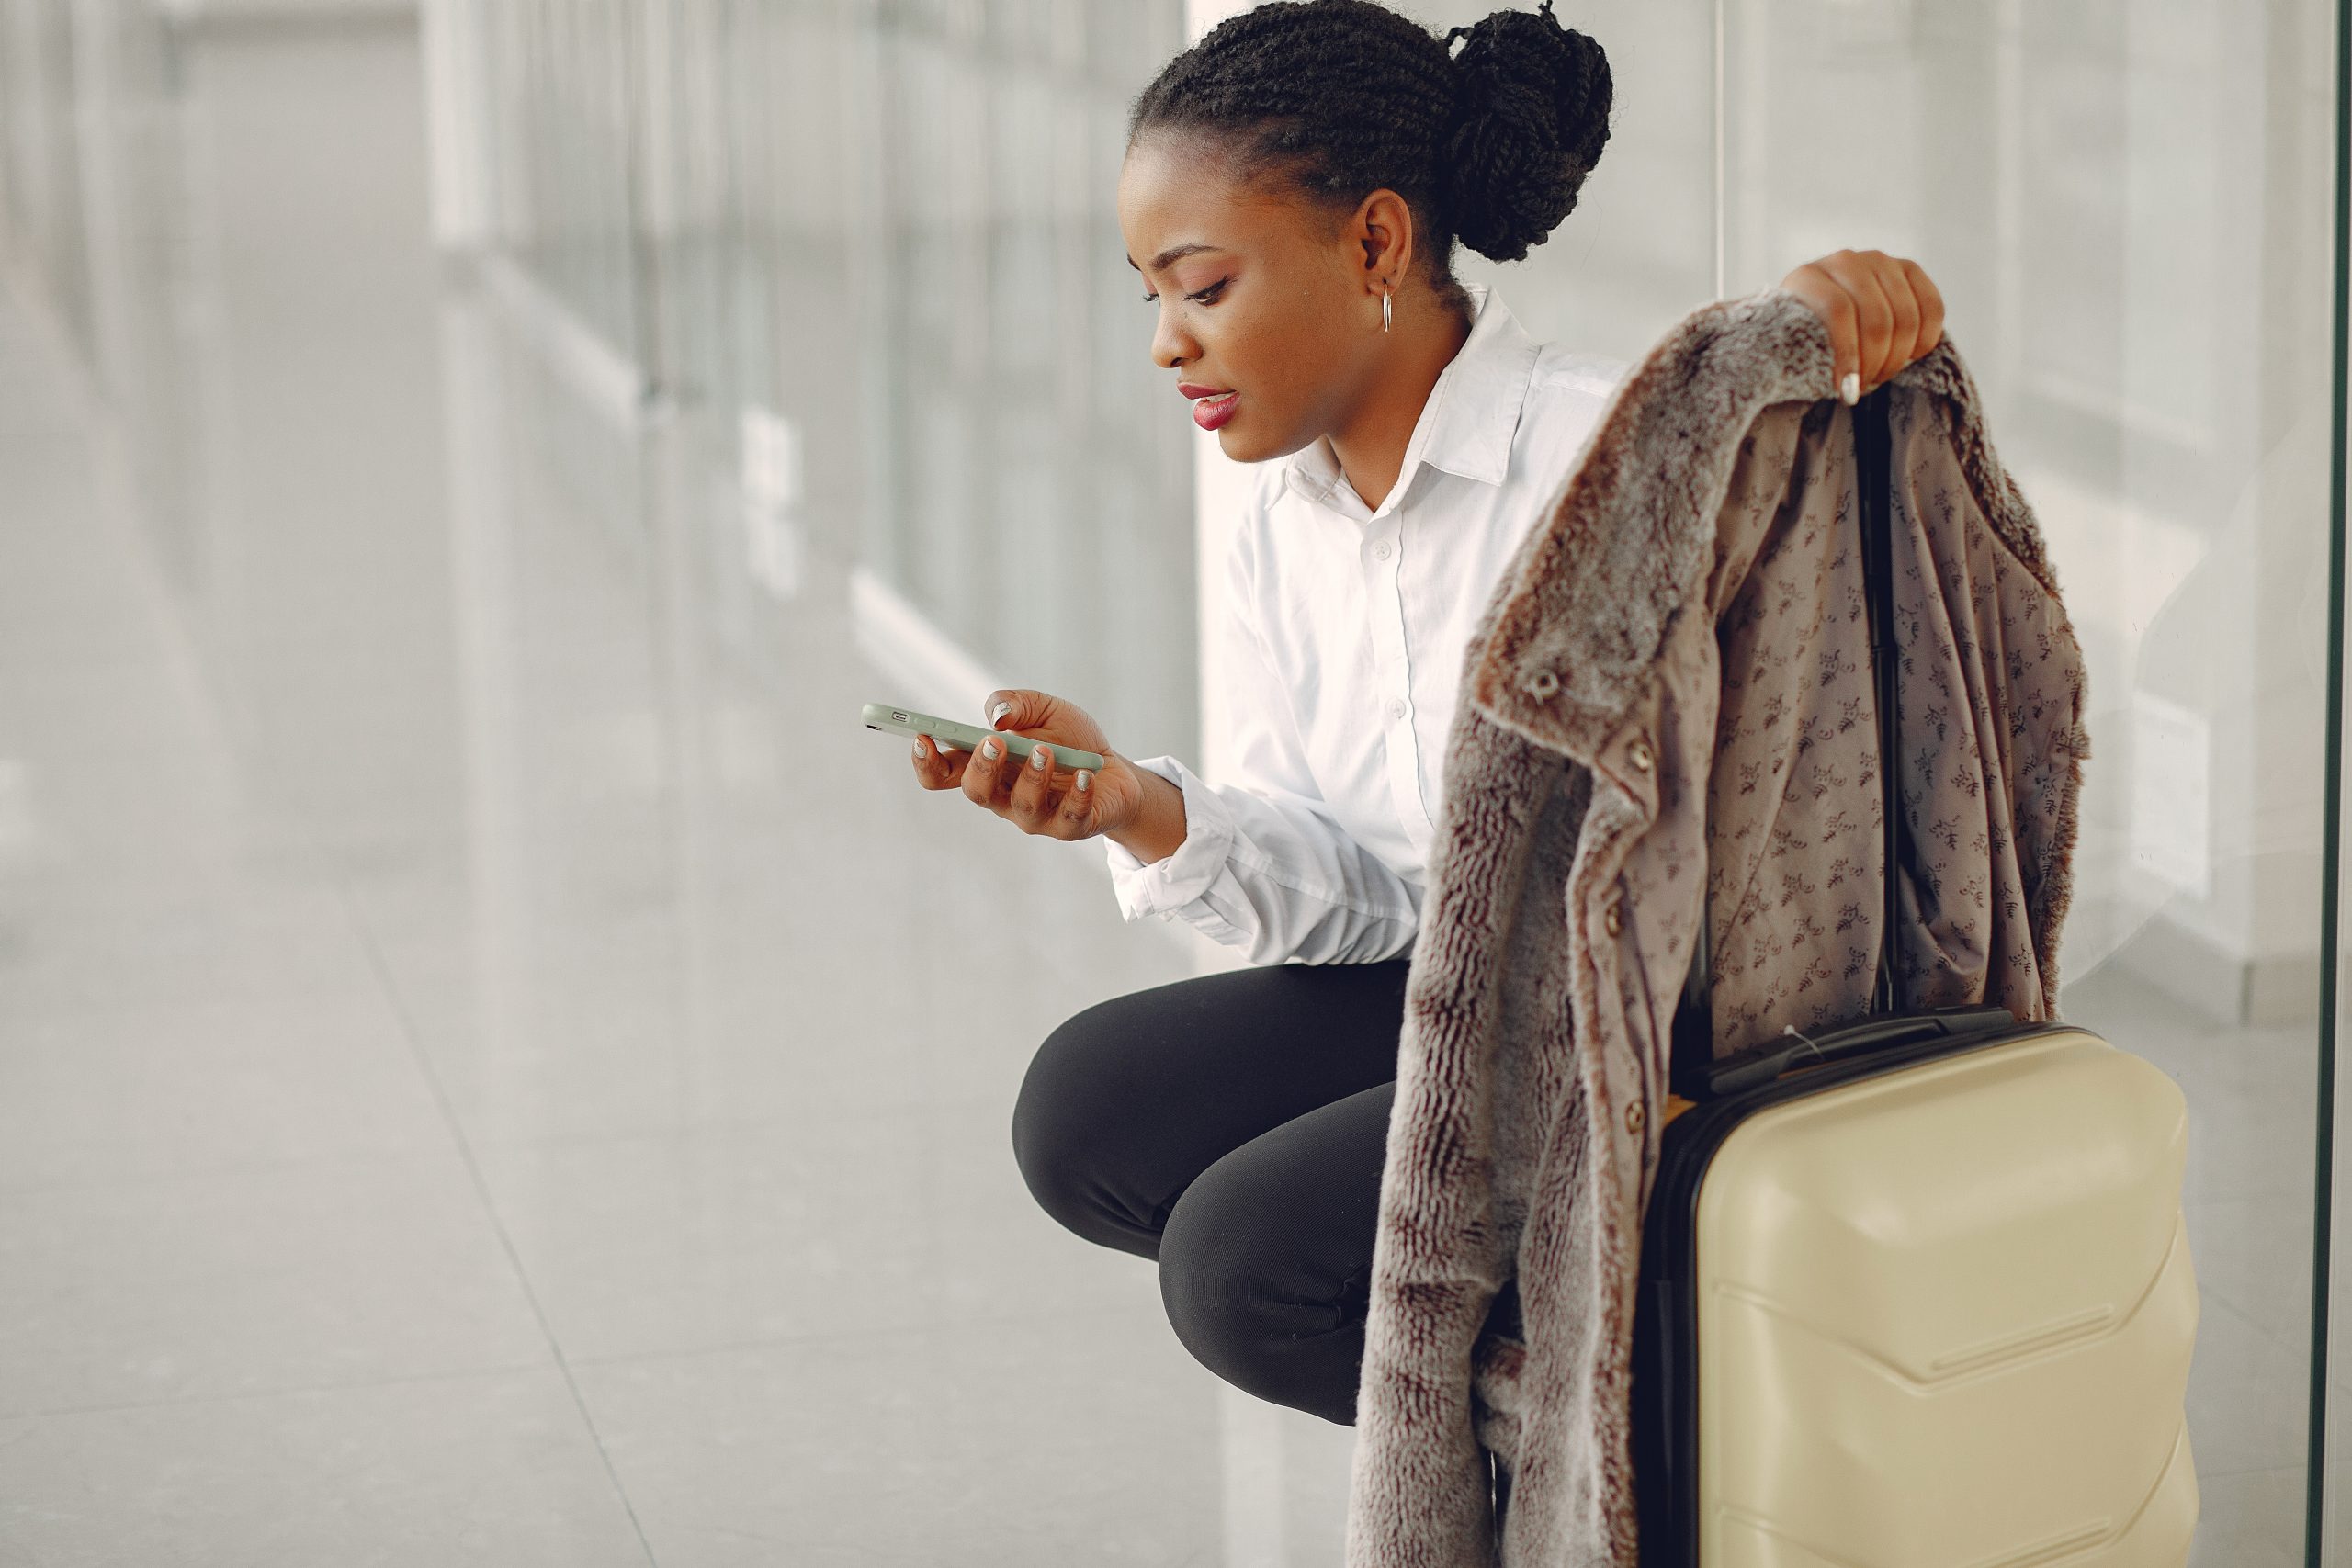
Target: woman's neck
x=1371, y=443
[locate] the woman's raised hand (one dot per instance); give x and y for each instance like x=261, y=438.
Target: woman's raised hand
x=1883, y=312
x=1046, y=800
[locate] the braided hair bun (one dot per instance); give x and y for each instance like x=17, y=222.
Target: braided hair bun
x=1532, y=109
x=1344, y=97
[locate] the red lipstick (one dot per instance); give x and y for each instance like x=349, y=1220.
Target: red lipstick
x=1211, y=405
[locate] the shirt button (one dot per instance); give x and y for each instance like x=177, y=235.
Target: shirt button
x=1381, y=549
x=1396, y=707
x=1638, y=754
x=1635, y=1118
x=1614, y=920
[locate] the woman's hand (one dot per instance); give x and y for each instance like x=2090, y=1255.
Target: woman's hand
x=1881, y=311
x=1043, y=800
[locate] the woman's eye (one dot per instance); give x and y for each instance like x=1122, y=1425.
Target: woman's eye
x=1207, y=296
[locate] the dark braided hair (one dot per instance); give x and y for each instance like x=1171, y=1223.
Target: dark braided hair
x=1343, y=98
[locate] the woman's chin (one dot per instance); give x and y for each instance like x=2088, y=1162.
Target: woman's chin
x=1243, y=444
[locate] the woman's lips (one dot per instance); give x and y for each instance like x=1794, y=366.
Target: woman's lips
x=1210, y=412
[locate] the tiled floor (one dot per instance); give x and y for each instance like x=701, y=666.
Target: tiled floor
x=495, y=1069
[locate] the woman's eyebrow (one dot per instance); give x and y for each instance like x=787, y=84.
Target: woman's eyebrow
x=1174, y=252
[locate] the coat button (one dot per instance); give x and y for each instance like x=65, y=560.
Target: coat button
x=1638, y=754
x=1635, y=1119
x=1613, y=920
x=1543, y=683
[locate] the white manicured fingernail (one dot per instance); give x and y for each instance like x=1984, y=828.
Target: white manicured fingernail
x=996, y=713
x=1851, y=387
x=1037, y=757
x=989, y=748
x=1085, y=780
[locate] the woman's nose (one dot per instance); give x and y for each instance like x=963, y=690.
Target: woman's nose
x=1170, y=346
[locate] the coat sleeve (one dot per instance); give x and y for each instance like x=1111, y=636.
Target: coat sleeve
x=1265, y=866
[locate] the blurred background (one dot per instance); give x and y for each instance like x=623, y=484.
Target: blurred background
x=497, y=1066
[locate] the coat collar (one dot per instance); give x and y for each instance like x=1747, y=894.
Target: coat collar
x=1472, y=414
x=1568, y=641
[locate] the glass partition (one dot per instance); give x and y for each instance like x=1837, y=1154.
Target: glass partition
x=565, y=86
x=872, y=249
x=1028, y=488
x=41, y=155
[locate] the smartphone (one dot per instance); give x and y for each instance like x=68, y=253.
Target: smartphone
x=906, y=721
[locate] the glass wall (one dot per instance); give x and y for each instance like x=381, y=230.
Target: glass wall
x=41, y=159
x=96, y=161
x=561, y=152
x=871, y=248
x=1028, y=487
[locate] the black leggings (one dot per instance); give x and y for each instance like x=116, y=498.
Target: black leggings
x=1259, y=1098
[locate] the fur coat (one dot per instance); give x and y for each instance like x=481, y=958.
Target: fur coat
x=1677, y=658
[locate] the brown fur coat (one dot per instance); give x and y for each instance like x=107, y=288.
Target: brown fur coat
x=1678, y=658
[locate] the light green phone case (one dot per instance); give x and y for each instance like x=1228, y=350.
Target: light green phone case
x=906, y=721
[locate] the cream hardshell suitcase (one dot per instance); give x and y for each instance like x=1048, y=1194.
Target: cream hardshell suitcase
x=1915, y=1291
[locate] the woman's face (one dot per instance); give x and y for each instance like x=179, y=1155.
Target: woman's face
x=1260, y=295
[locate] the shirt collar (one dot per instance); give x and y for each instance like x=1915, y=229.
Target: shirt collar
x=1467, y=424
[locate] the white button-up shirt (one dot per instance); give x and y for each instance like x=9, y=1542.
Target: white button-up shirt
x=1345, y=630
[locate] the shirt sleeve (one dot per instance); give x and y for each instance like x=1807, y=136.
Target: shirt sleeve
x=1264, y=866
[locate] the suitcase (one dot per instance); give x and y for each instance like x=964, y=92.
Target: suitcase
x=1916, y=1291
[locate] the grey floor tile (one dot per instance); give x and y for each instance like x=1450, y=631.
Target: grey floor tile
x=1088, y=1438
x=2249, y=1394
x=2251, y=1519
x=192, y=1088
x=498, y=1470
x=190, y=943
x=287, y=1277
x=615, y=986
x=2254, y=1255
x=868, y=1221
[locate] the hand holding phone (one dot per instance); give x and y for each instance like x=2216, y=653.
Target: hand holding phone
x=966, y=737
x=1106, y=794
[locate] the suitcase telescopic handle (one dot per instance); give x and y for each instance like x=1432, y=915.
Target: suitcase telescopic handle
x=1766, y=1063
x=1696, y=1074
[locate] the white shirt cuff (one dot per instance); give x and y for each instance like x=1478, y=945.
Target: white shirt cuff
x=1176, y=879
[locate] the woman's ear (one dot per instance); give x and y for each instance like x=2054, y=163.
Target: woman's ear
x=1384, y=228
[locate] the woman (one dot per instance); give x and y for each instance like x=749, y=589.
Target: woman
x=1293, y=190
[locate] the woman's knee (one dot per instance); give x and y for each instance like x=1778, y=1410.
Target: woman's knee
x=1048, y=1116
x=1207, y=1274
x=1229, y=1278
x=1265, y=1263
x=1065, y=1127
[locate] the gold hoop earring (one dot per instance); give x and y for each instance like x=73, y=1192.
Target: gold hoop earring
x=1384, y=309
